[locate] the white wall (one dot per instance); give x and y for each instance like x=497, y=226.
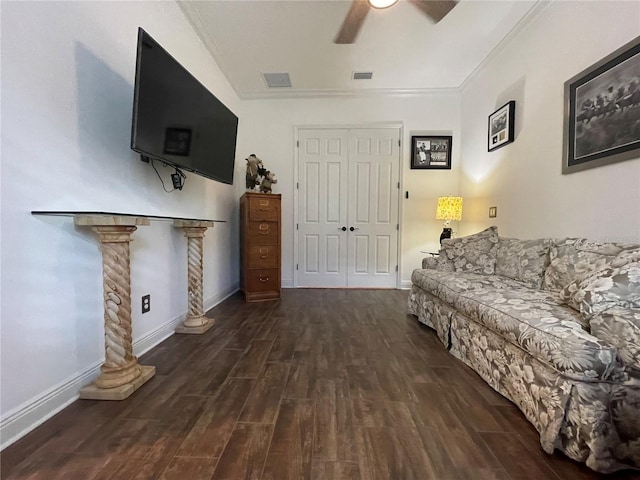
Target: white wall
x=273, y=122
x=524, y=179
x=67, y=92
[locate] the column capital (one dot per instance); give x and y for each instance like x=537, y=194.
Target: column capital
x=181, y=223
x=115, y=233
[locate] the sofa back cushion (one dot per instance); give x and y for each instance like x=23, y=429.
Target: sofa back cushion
x=572, y=258
x=523, y=260
x=475, y=253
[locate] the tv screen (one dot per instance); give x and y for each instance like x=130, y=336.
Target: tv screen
x=177, y=120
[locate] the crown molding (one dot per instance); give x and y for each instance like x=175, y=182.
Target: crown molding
x=287, y=93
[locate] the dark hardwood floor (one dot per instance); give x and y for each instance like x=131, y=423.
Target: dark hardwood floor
x=322, y=385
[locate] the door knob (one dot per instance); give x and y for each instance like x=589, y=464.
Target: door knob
x=351, y=229
x=344, y=229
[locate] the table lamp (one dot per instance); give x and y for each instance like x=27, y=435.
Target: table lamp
x=449, y=208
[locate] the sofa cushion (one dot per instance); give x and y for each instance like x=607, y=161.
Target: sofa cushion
x=523, y=260
x=552, y=333
x=449, y=287
x=474, y=253
x=533, y=320
x=571, y=258
x=603, y=289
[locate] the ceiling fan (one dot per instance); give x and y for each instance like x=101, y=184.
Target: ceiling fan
x=434, y=9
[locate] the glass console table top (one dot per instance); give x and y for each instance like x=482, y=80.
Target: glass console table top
x=73, y=213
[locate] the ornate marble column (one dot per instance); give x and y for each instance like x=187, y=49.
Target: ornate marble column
x=196, y=321
x=120, y=375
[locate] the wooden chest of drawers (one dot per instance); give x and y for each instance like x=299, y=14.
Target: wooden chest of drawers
x=260, y=246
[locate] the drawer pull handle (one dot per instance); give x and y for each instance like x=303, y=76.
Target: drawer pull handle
x=264, y=256
x=263, y=229
x=264, y=279
x=264, y=232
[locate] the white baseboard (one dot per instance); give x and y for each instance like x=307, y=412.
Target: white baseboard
x=31, y=414
x=21, y=420
x=405, y=285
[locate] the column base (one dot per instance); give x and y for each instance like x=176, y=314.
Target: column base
x=92, y=392
x=200, y=329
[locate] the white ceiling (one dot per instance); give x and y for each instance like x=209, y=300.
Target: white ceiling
x=406, y=51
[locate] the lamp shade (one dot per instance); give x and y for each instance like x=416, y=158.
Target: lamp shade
x=449, y=208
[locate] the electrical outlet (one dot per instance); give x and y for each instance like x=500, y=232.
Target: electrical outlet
x=146, y=303
x=493, y=212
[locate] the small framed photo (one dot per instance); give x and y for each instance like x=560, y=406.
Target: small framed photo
x=431, y=152
x=602, y=111
x=501, y=126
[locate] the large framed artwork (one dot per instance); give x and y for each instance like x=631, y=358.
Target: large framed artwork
x=602, y=111
x=501, y=126
x=431, y=152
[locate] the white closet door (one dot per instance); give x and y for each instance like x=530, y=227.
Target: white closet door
x=372, y=253
x=348, y=178
x=322, y=208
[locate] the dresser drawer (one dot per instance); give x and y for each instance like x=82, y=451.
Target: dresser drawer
x=263, y=233
x=263, y=280
x=264, y=209
x=263, y=256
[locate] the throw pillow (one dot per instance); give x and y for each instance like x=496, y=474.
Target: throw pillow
x=604, y=289
x=573, y=258
x=523, y=260
x=475, y=253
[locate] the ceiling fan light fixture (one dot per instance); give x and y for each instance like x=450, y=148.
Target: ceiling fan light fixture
x=382, y=3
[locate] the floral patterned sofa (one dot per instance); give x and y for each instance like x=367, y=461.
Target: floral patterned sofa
x=551, y=324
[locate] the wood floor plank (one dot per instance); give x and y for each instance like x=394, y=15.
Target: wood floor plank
x=213, y=428
x=252, y=362
x=283, y=347
x=334, y=432
x=245, y=454
x=212, y=378
x=182, y=468
x=289, y=456
x=386, y=454
x=519, y=463
x=264, y=402
x=335, y=471
x=364, y=382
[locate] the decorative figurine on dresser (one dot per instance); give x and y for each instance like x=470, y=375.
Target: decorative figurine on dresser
x=260, y=246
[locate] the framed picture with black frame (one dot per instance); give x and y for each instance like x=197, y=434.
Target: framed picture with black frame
x=502, y=126
x=432, y=152
x=602, y=111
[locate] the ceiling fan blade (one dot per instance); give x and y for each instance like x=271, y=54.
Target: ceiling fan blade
x=436, y=9
x=352, y=22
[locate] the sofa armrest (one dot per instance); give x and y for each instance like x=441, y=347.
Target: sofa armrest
x=620, y=328
x=430, y=262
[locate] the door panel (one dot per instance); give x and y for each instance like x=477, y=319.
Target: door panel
x=373, y=171
x=322, y=208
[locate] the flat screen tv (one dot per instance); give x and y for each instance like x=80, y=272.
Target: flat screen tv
x=176, y=120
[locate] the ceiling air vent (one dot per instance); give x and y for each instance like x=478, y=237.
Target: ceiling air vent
x=362, y=75
x=277, y=80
